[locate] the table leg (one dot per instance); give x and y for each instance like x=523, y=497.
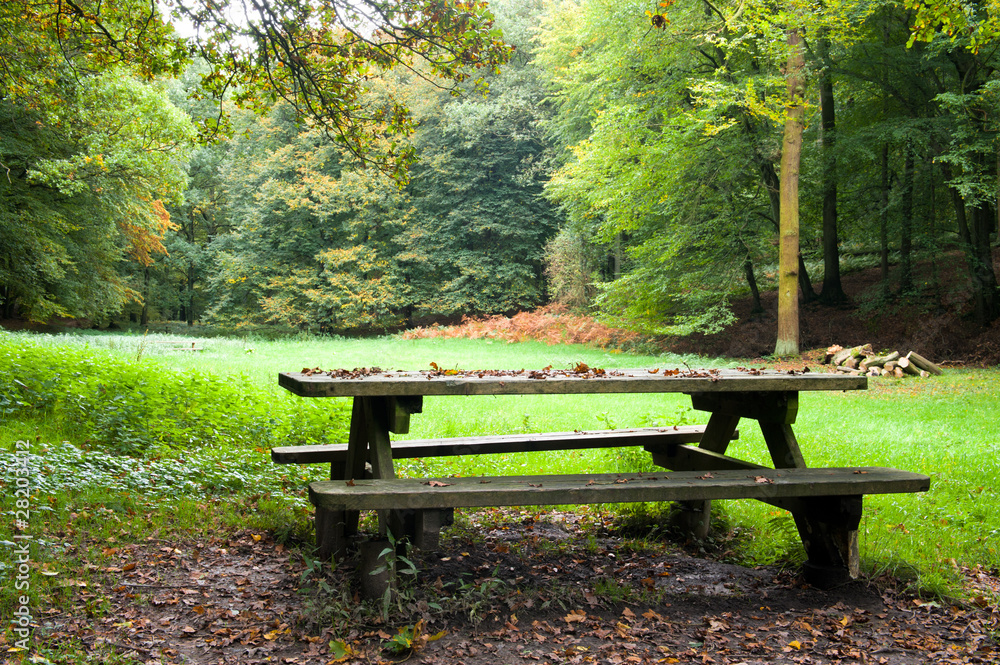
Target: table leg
x=372, y=418
x=335, y=527
x=357, y=456
x=694, y=517
x=782, y=445
x=376, y=414
x=392, y=414
x=828, y=526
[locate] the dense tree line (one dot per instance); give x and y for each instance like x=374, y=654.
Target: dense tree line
x=629, y=159
x=676, y=136
x=283, y=225
x=97, y=159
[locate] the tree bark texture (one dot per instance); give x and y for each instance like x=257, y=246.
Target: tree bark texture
x=833, y=290
x=791, y=153
x=883, y=220
x=144, y=316
x=906, y=225
x=752, y=283
x=974, y=224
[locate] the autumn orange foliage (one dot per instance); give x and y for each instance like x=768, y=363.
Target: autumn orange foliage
x=146, y=239
x=552, y=324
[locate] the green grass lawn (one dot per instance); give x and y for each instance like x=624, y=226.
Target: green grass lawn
x=195, y=429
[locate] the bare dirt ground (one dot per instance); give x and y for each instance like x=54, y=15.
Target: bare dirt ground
x=524, y=588
x=935, y=320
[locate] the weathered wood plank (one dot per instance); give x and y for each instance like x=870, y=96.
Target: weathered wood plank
x=353, y=467
x=415, y=493
x=379, y=445
x=782, y=445
x=625, y=381
x=770, y=407
x=504, y=443
x=690, y=458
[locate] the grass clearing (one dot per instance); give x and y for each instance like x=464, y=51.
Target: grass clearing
x=196, y=428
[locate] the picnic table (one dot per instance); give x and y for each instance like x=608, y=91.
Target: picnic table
x=826, y=503
x=179, y=345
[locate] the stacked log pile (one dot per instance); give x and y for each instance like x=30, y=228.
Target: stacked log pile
x=862, y=360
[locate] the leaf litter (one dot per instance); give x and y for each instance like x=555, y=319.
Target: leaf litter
x=538, y=589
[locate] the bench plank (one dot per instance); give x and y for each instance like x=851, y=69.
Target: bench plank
x=418, y=493
x=653, y=438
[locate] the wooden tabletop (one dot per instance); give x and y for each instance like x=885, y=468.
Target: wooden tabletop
x=582, y=380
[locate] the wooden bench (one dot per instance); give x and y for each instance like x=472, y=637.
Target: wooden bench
x=831, y=497
x=543, y=490
x=652, y=438
x=423, y=527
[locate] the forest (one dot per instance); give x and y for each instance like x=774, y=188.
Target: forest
x=645, y=161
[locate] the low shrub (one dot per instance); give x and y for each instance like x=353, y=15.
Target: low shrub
x=138, y=407
x=552, y=325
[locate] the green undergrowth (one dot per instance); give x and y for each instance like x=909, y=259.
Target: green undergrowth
x=143, y=406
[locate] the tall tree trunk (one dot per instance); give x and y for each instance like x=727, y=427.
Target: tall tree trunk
x=906, y=225
x=805, y=283
x=189, y=303
x=752, y=283
x=791, y=154
x=883, y=223
x=833, y=290
x=144, y=317
x=978, y=254
x=9, y=302
x=979, y=223
x=984, y=279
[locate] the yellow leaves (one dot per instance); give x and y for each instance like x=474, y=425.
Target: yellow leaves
x=277, y=632
x=712, y=129
x=757, y=104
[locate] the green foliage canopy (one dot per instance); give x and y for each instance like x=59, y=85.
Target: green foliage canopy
x=84, y=186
